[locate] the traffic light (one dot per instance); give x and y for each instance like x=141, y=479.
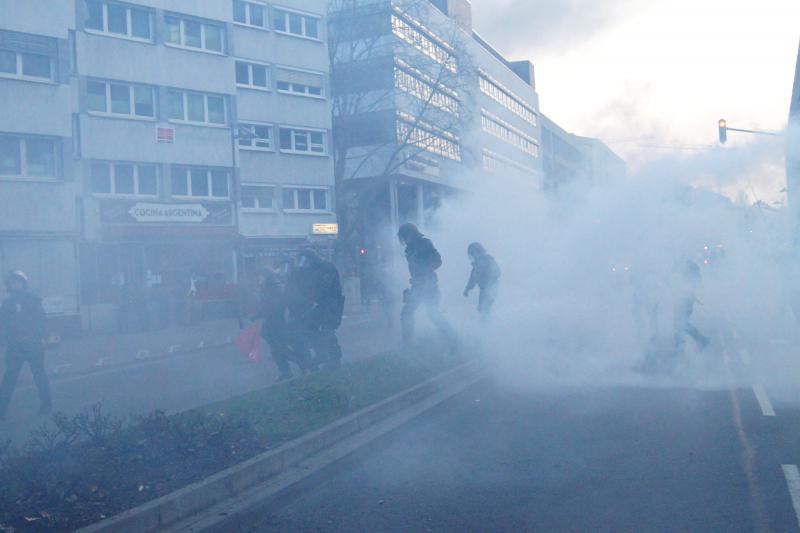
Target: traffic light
x=723, y=131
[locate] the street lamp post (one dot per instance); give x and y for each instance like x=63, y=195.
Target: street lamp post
x=237, y=132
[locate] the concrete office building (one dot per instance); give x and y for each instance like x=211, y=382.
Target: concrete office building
x=197, y=141
x=421, y=105
x=571, y=159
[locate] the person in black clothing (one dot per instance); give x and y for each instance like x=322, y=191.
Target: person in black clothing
x=689, y=280
x=423, y=262
x=485, y=275
x=275, y=328
x=319, y=305
x=22, y=331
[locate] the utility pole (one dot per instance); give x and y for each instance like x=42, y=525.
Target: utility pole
x=793, y=159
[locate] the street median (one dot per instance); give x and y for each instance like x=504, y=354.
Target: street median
x=146, y=475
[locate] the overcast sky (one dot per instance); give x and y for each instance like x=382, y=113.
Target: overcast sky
x=652, y=77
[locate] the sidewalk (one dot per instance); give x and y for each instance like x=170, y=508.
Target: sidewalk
x=94, y=353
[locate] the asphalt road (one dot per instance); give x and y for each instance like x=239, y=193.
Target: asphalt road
x=501, y=458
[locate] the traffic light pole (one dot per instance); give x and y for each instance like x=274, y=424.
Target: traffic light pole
x=724, y=129
x=757, y=132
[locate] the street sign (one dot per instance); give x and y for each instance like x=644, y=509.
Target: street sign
x=326, y=229
x=165, y=134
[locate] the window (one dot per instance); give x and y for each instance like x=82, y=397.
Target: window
x=296, y=23
x=421, y=86
x=411, y=132
x=508, y=133
x=497, y=164
x=250, y=13
x=255, y=136
x=200, y=183
x=507, y=99
x=424, y=41
x=305, y=199
x=302, y=141
x=31, y=157
x=251, y=75
x=124, y=179
x=258, y=197
x=119, y=20
x=35, y=67
x=196, y=107
x=120, y=99
x=190, y=33
x=299, y=82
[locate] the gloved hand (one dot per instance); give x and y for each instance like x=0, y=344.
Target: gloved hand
x=466, y=293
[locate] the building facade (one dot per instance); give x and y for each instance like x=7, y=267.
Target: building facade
x=422, y=107
x=191, y=146
x=793, y=158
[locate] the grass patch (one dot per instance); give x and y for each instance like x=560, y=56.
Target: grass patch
x=78, y=470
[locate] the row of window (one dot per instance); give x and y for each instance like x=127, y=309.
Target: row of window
x=424, y=43
x=507, y=99
x=509, y=134
x=428, y=138
x=262, y=198
x=133, y=22
x=292, y=140
x=257, y=76
x=129, y=179
x=420, y=86
x=497, y=164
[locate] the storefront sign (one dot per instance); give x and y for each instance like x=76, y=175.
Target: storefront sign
x=194, y=213
x=326, y=229
x=144, y=213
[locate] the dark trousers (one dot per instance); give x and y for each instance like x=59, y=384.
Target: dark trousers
x=326, y=346
x=16, y=357
x=414, y=297
x=485, y=303
x=285, y=351
x=684, y=328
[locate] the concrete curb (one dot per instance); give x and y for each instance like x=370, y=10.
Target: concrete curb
x=183, y=504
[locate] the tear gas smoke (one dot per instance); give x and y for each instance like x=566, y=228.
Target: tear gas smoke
x=575, y=260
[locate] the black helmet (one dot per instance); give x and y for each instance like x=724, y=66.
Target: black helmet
x=17, y=275
x=408, y=232
x=476, y=249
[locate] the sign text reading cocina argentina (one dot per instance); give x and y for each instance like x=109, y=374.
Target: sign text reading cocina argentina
x=168, y=213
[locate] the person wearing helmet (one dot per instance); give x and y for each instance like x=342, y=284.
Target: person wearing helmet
x=22, y=330
x=485, y=275
x=319, y=305
x=423, y=262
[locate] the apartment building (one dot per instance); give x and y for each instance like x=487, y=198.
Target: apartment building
x=196, y=139
x=39, y=178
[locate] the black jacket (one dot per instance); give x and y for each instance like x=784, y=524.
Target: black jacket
x=485, y=273
x=272, y=310
x=316, y=296
x=23, y=321
x=423, y=260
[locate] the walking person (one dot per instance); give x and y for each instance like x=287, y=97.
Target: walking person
x=689, y=280
x=423, y=262
x=486, y=276
x=22, y=331
x=324, y=300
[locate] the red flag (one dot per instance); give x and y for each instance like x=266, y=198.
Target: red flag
x=249, y=342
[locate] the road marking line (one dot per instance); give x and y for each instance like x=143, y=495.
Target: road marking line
x=763, y=400
x=793, y=482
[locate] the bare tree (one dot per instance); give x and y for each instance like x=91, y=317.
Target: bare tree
x=400, y=90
